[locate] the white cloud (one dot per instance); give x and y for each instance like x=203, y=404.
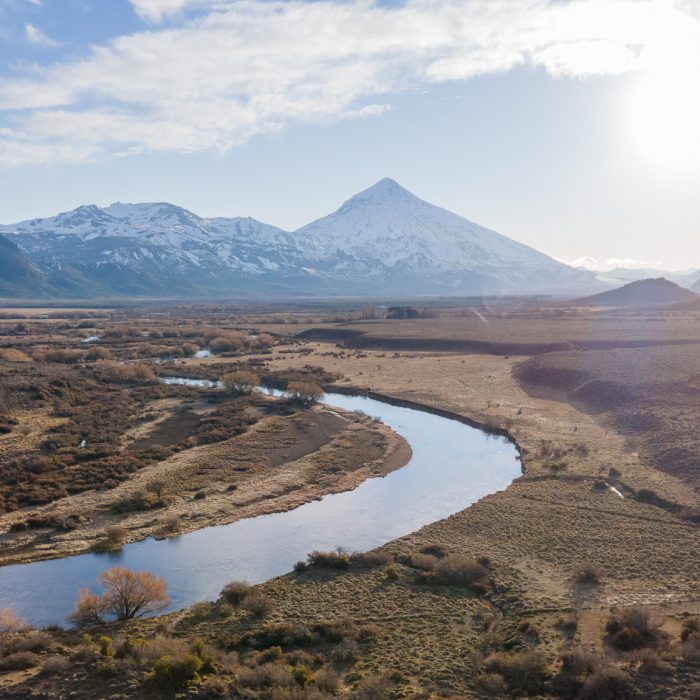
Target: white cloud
x=35, y=36
x=588, y=262
x=236, y=69
x=630, y=263
x=158, y=10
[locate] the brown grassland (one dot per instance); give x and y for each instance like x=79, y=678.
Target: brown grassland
x=581, y=580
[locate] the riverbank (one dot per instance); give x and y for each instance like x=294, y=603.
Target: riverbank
x=554, y=517
x=280, y=463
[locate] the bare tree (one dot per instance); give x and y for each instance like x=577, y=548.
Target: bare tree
x=156, y=487
x=241, y=382
x=305, y=392
x=11, y=622
x=127, y=594
x=89, y=609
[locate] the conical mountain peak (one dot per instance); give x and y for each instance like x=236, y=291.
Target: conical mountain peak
x=382, y=240
x=384, y=191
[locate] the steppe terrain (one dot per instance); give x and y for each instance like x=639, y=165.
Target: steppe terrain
x=580, y=580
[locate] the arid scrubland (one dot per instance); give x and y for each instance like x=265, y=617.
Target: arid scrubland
x=581, y=580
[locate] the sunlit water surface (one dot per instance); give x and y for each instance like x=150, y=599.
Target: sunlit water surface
x=453, y=465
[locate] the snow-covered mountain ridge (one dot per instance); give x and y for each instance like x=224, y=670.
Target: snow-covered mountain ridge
x=383, y=239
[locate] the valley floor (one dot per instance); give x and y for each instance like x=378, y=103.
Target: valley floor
x=385, y=626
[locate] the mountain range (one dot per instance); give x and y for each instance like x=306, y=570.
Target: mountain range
x=383, y=240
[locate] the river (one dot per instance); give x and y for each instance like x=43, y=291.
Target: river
x=452, y=466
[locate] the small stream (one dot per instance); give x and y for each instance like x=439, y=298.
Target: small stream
x=453, y=465
x=185, y=381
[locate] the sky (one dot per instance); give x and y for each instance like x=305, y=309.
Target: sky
x=568, y=125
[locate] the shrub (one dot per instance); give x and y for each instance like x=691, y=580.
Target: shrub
x=105, y=645
x=55, y=665
x=649, y=661
x=98, y=353
x=648, y=496
x=579, y=662
x=136, y=502
x=7, y=423
x=690, y=637
x=524, y=671
x=284, y=634
x=347, y=651
x=588, y=573
x=328, y=681
x=124, y=374
x=303, y=676
x=456, y=570
x=492, y=684
x=690, y=627
x=171, y=672
x=335, y=630
x=116, y=534
x=19, y=661
x=63, y=356
x=368, y=633
x=227, y=343
x=34, y=640
x=11, y=622
x=329, y=560
x=235, y=592
x=258, y=604
x=424, y=562
x=156, y=487
x=576, y=665
x=373, y=688
x=149, y=651
x=370, y=559
x=634, y=627
x=608, y=684
x=271, y=675
x=434, y=550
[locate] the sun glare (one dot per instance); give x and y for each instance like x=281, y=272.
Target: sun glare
x=664, y=106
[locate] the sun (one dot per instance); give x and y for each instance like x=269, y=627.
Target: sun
x=663, y=110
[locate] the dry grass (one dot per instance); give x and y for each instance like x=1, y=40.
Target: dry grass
x=531, y=623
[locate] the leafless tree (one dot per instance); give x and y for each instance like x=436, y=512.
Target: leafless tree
x=305, y=392
x=127, y=594
x=241, y=382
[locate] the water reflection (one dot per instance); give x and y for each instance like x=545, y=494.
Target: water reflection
x=452, y=466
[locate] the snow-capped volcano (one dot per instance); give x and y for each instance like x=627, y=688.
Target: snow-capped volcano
x=383, y=239
x=385, y=232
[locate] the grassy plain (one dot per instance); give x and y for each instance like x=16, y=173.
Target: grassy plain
x=610, y=487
